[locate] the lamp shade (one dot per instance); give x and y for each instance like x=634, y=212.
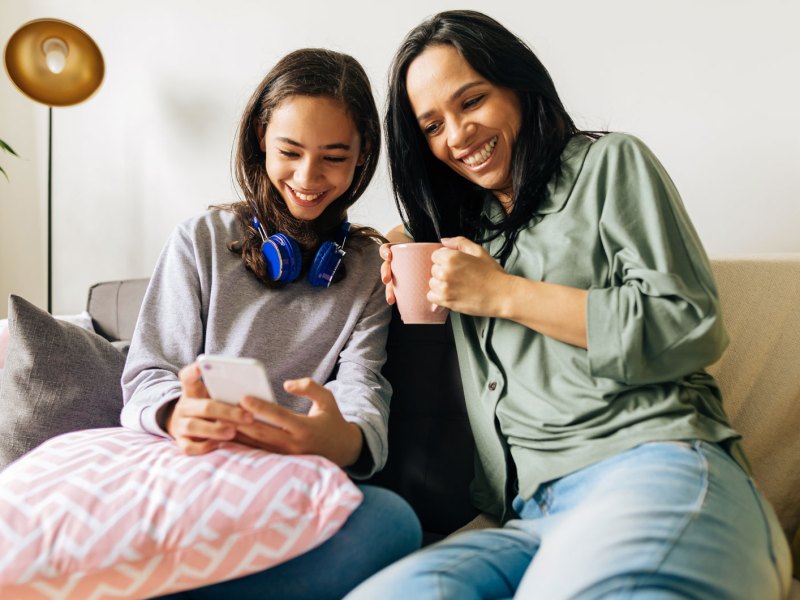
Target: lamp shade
x=54, y=62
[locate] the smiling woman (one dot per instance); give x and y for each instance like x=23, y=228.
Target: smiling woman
x=472, y=126
x=584, y=313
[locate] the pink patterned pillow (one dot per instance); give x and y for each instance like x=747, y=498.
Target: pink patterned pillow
x=105, y=513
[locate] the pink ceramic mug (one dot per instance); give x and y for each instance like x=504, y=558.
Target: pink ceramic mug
x=411, y=272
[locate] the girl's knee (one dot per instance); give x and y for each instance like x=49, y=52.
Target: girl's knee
x=392, y=519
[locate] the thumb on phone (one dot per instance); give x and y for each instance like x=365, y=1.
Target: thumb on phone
x=191, y=382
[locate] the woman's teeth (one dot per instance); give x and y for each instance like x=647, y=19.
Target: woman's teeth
x=482, y=155
x=307, y=197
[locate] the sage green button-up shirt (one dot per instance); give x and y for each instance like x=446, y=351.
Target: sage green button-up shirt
x=613, y=224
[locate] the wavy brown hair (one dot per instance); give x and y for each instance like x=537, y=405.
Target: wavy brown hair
x=311, y=72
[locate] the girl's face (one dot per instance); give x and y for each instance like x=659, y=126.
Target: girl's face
x=312, y=149
x=470, y=123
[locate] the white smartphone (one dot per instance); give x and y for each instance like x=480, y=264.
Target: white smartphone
x=230, y=379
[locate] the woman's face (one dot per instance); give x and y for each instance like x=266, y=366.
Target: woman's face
x=312, y=150
x=470, y=123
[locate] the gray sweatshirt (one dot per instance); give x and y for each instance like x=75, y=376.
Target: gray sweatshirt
x=201, y=299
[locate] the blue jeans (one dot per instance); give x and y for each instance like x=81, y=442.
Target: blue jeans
x=381, y=530
x=663, y=520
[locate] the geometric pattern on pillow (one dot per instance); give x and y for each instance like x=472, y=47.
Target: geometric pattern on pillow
x=115, y=513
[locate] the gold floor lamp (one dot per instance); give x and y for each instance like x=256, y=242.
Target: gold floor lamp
x=57, y=64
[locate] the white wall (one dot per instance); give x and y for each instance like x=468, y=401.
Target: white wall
x=710, y=85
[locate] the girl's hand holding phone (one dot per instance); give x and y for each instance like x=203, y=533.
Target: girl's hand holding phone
x=198, y=423
x=323, y=431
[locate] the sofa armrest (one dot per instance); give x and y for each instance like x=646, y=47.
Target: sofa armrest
x=759, y=373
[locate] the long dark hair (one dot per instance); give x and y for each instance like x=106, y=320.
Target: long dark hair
x=307, y=72
x=434, y=201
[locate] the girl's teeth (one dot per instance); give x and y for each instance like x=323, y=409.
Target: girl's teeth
x=307, y=197
x=481, y=155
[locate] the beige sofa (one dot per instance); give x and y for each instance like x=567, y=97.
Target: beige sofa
x=430, y=454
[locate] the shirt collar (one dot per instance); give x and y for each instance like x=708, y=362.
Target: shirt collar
x=560, y=186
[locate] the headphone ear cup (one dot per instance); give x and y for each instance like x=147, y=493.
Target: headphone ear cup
x=326, y=263
x=283, y=258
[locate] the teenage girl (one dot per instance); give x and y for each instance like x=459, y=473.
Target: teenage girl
x=281, y=276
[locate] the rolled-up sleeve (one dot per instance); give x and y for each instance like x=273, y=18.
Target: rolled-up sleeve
x=658, y=317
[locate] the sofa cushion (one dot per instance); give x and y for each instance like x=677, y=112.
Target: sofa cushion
x=115, y=513
x=83, y=319
x=431, y=452
x=58, y=377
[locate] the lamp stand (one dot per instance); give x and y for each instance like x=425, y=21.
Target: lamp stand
x=50, y=209
x=58, y=64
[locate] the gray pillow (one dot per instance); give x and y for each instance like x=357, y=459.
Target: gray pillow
x=58, y=378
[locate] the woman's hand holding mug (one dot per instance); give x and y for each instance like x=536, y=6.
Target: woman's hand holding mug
x=406, y=271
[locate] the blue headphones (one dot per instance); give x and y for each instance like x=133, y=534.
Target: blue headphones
x=284, y=260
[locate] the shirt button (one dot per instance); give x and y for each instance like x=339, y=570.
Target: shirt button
x=492, y=386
